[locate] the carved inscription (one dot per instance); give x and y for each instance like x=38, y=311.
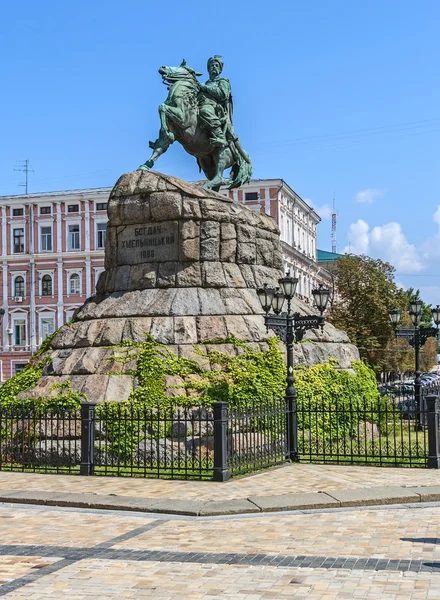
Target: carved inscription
x=155, y=242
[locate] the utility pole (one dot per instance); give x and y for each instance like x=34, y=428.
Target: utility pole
x=334, y=226
x=23, y=167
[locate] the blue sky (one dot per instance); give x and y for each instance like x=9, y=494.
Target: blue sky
x=334, y=96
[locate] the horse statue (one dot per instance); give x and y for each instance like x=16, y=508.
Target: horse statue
x=199, y=116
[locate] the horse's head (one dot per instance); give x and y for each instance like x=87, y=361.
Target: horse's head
x=181, y=73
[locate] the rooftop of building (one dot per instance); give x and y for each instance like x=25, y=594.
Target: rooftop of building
x=326, y=256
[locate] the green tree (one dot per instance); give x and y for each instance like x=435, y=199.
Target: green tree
x=366, y=291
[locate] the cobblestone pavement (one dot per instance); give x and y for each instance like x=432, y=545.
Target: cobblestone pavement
x=387, y=552
x=290, y=478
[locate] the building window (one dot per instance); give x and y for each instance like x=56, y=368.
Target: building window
x=20, y=332
x=46, y=285
x=101, y=230
x=17, y=212
x=101, y=205
x=18, y=240
x=73, y=240
x=69, y=315
x=19, y=286
x=45, y=210
x=46, y=239
x=18, y=368
x=74, y=284
x=251, y=196
x=47, y=327
x=72, y=208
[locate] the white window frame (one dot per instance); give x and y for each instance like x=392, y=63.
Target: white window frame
x=69, y=275
x=99, y=210
x=15, y=226
x=70, y=224
x=19, y=317
x=15, y=274
x=45, y=316
x=19, y=206
x=41, y=274
x=40, y=214
x=96, y=234
x=69, y=314
x=40, y=236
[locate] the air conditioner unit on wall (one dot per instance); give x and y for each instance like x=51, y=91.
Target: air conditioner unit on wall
x=9, y=331
x=18, y=298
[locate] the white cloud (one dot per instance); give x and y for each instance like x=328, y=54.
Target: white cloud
x=368, y=196
x=387, y=242
x=324, y=211
x=431, y=247
x=358, y=236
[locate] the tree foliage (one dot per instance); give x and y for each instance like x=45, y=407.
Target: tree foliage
x=366, y=292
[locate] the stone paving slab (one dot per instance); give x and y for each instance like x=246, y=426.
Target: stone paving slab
x=375, y=495
x=295, y=501
x=429, y=493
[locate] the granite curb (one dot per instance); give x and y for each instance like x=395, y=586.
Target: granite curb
x=373, y=496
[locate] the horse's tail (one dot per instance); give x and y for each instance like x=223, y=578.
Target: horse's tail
x=241, y=171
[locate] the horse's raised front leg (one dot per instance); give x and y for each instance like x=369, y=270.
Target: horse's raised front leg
x=161, y=145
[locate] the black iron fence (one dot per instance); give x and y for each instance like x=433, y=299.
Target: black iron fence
x=393, y=431
x=173, y=442
x=219, y=441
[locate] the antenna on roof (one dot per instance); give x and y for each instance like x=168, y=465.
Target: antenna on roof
x=334, y=214
x=23, y=167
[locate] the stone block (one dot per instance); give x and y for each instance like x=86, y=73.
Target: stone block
x=217, y=210
x=265, y=251
x=210, y=229
x=185, y=331
x=234, y=302
x=122, y=276
x=64, y=338
x=211, y=302
x=164, y=451
x=174, y=386
x=228, y=250
x=166, y=276
x=228, y=231
x=165, y=205
x=110, y=333
x=119, y=387
x=237, y=326
x=374, y=495
x=136, y=329
x=189, y=274
x=191, y=208
x=94, y=387
x=248, y=275
x=213, y=275
x=211, y=328
x=246, y=253
x=158, y=302
x=256, y=327
x=185, y=302
x=233, y=276
x=298, y=501
x=190, y=249
x=246, y=234
x=162, y=329
x=143, y=276
x=210, y=249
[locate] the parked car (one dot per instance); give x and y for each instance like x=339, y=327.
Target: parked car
x=407, y=408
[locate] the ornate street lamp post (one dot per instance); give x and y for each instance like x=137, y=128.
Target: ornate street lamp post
x=416, y=337
x=290, y=327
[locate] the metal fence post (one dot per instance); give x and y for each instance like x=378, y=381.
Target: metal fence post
x=87, y=438
x=433, y=418
x=221, y=468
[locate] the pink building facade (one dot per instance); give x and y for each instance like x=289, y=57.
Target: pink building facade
x=52, y=255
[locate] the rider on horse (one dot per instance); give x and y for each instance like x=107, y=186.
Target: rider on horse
x=215, y=104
